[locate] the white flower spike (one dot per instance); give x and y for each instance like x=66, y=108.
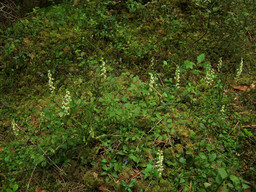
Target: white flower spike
x=50, y=82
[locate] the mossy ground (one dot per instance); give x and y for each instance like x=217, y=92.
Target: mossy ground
x=118, y=124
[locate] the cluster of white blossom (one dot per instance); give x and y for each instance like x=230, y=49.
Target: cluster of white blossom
x=152, y=63
x=152, y=81
x=240, y=69
x=210, y=74
x=222, y=109
x=14, y=128
x=177, y=76
x=159, y=163
x=50, y=82
x=103, y=69
x=219, y=64
x=66, y=103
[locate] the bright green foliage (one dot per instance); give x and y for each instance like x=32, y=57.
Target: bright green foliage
x=129, y=96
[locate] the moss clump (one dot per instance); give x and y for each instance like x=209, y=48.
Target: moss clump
x=126, y=173
x=92, y=180
x=140, y=184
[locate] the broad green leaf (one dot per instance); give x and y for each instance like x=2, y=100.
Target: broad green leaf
x=114, y=174
x=218, y=179
x=200, y=58
x=223, y=173
x=188, y=64
x=212, y=156
x=202, y=156
x=121, y=153
x=150, y=167
x=117, y=166
x=234, y=179
x=134, y=158
x=135, y=79
x=104, y=161
x=207, y=185
x=132, y=182
x=15, y=187
x=244, y=186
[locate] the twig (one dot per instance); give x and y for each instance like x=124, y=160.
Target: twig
x=1, y=174
x=249, y=126
x=190, y=187
x=118, y=146
x=154, y=89
x=155, y=125
x=133, y=177
x=148, y=185
x=31, y=177
x=157, y=91
x=234, y=127
x=161, y=81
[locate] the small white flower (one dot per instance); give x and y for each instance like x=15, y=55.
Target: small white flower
x=220, y=64
x=222, y=109
x=152, y=63
x=66, y=103
x=152, y=81
x=239, y=71
x=50, y=82
x=177, y=76
x=14, y=128
x=159, y=163
x=103, y=69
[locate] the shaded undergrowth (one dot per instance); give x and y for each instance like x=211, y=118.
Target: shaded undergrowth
x=114, y=96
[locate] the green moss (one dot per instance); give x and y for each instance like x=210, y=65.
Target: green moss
x=126, y=173
x=92, y=180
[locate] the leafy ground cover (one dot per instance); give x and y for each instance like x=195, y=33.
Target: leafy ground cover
x=129, y=96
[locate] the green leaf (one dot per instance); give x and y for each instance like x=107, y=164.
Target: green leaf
x=134, y=158
x=200, y=58
x=182, y=160
x=215, y=9
x=244, y=186
x=206, y=64
x=212, y=156
x=248, y=132
x=188, y=64
x=117, y=167
x=234, y=179
x=104, y=173
x=223, y=173
x=15, y=187
x=114, y=174
x=218, y=179
x=149, y=167
x=121, y=153
x=135, y=79
x=195, y=71
x=123, y=183
x=207, y=185
x=104, y=161
x=202, y=156
x=132, y=182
